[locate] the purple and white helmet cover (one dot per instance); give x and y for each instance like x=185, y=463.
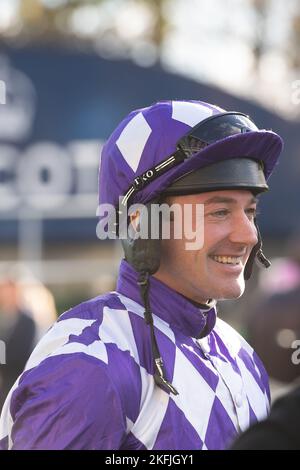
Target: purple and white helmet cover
x=149, y=135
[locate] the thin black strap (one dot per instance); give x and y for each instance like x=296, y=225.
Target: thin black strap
x=260, y=256
x=160, y=373
x=256, y=253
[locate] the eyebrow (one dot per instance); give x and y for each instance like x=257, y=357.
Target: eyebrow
x=227, y=200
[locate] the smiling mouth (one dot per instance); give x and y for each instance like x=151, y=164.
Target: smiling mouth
x=232, y=260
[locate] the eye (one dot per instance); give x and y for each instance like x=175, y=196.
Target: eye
x=252, y=212
x=220, y=213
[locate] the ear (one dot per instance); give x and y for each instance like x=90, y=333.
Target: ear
x=134, y=220
x=142, y=254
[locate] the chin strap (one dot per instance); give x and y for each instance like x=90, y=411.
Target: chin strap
x=256, y=253
x=159, y=374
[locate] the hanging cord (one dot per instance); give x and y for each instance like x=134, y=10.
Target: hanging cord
x=256, y=253
x=260, y=256
x=160, y=374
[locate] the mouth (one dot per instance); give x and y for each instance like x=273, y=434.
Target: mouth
x=229, y=264
x=231, y=260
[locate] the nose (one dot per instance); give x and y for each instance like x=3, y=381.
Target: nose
x=243, y=231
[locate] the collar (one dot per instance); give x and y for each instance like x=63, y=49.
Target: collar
x=179, y=312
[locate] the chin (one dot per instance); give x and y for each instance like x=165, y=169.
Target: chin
x=233, y=292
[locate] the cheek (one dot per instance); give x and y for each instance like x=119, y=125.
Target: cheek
x=170, y=250
x=175, y=256
x=215, y=235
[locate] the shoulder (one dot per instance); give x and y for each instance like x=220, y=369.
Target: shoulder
x=98, y=335
x=89, y=328
x=87, y=354
x=69, y=402
x=92, y=309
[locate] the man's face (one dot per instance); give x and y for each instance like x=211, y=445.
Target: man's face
x=216, y=270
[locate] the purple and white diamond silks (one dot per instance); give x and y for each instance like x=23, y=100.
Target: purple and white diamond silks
x=89, y=382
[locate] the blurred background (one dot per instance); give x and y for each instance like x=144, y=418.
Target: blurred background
x=69, y=72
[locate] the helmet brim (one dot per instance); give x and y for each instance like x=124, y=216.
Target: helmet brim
x=262, y=145
x=234, y=173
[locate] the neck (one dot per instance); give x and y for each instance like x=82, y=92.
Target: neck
x=191, y=296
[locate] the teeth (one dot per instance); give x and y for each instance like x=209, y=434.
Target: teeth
x=227, y=259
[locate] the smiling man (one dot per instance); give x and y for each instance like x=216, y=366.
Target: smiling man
x=216, y=270
x=150, y=366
